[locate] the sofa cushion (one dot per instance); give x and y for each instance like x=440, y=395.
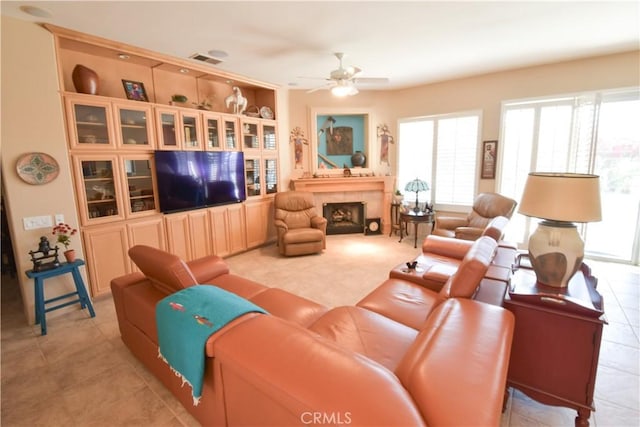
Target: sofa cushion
x=288, y=306
x=167, y=272
x=401, y=301
x=370, y=334
x=240, y=286
x=303, y=235
x=140, y=307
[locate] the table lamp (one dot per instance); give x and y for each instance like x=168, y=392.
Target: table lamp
x=556, y=249
x=416, y=185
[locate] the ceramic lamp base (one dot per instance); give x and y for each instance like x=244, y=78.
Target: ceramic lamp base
x=556, y=251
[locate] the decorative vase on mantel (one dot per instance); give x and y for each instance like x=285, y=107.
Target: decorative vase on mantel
x=70, y=255
x=358, y=159
x=85, y=80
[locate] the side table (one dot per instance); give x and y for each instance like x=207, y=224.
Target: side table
x=415, y=218
x=395, y=217
x=556, y=341
x=40, y=301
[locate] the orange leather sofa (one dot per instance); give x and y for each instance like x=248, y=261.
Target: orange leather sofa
x=441, y=257
x=306, y=364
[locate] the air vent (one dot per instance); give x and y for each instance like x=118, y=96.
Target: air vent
x=205, y=58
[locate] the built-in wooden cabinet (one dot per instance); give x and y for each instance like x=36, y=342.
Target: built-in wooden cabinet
x=106, y=249
x=134, y=126
x=89, y=123
x=189, y=234
x=259, y=221
x=98, y=188
x=111, y=143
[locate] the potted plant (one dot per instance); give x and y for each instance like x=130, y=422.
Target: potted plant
x=177, y=98
x=398, y=197
x=64, y=233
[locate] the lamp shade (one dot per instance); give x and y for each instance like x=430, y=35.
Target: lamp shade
x=416, y=185
x=568, y=197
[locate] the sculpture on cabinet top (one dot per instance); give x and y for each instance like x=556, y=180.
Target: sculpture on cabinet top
x=239, y=102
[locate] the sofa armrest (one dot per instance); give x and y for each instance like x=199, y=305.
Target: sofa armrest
x=206, y=268
x=468, y=233
x=450, y=222
x=457, y=368
x=278, y=223
x=291, y=375
x=445, y=246
x=319, y=222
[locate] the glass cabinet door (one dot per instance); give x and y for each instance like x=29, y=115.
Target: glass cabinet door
x=212, y=132
x=230, y=134
x=271, y=176
x=250, y=136
x=191, y=131
x=99, y=185
x=91, y=124
x=167, y=129
x=252, y=174
x=139, y=182
x=269, y=137
x=134, y=127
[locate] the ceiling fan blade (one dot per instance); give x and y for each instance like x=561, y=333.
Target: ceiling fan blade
x=315, y=89
x=371, y=80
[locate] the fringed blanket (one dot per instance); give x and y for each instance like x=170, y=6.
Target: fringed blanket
x=186, y=319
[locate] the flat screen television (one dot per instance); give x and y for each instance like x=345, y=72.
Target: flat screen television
x=197, y=179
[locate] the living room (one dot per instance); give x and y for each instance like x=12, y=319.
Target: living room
x=30, y=89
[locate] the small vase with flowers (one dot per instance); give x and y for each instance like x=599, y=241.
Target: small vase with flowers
x=64, y=233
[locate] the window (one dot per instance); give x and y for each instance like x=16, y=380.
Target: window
x=586, y=133
x=441, y=150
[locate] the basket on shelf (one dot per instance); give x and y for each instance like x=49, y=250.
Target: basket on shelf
x=252, y=111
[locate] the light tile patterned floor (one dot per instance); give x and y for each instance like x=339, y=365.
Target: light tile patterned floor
x=81, y=373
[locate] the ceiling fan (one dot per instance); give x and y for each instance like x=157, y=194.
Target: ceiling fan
x=343, y=80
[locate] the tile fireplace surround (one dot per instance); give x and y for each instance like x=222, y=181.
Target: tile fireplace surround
x=375, y=191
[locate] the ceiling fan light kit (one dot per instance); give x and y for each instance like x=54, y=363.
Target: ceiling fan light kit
x=342, y=82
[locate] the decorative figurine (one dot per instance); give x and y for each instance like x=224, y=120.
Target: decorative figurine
x=45, y=261
x=239, y=102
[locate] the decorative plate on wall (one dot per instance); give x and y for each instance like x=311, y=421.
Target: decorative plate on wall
x=37, y=168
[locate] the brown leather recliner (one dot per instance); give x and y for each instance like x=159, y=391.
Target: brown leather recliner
x=301, y=230
x=486, y=206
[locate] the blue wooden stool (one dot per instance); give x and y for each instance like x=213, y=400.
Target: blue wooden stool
x=38, y=278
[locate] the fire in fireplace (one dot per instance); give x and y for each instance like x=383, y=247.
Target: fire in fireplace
x=344, y=218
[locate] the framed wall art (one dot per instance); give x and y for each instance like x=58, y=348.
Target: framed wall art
x=489, y=155
x=135, y=90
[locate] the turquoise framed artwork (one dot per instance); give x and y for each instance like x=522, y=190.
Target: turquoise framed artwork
x=338, y=136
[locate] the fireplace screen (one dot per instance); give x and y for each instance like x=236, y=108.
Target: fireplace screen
x=344, y=218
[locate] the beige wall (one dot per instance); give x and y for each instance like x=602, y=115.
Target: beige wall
x=32, y=121
x=485, y=92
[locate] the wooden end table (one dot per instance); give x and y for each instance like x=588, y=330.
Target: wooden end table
x=415, y=218
x=556, y=341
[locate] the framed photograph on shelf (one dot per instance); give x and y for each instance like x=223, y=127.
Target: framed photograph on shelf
x=489, y=153
x=135, y=90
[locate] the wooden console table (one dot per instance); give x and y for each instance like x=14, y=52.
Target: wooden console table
x=556, y=341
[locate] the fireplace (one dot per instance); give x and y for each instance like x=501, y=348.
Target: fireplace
x=344, y=217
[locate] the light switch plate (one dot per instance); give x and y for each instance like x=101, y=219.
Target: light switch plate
x=59, y=219
x=34, y=222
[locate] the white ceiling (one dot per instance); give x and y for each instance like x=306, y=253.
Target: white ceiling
x=411, y=43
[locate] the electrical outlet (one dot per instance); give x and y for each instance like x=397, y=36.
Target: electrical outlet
x=59, y=219
x=34, y=222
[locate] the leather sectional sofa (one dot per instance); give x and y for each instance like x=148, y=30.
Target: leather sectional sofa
x=405, y=355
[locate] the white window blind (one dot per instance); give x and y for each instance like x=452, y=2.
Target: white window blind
x=441, y=150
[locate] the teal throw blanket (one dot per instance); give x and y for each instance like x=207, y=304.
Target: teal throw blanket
x=186, y=319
